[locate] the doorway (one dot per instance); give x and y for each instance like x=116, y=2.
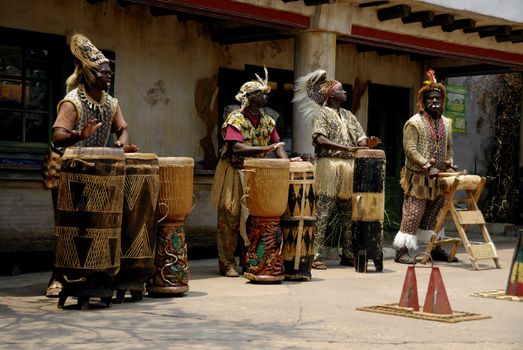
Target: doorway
x=389, y=109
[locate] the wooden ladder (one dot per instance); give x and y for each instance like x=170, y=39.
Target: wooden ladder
x=472, y=185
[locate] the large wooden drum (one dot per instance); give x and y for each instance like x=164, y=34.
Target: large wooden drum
x=88, y=222
x=267, y=186
x=297, y=222
x=171, y=271
x=139, y=224
x=368, y=207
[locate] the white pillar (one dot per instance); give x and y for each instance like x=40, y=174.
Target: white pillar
x=312, y=50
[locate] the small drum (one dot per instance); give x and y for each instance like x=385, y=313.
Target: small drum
x=176, y=187
x=368, y=207
x=88, y=223
x=139, y=224
x=466, y=182
x=297, y=222
x=171, y=271
x=266, y=187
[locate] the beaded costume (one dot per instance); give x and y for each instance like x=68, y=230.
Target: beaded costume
x=424, y=138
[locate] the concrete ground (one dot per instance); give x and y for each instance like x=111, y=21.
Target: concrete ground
x=230, y=313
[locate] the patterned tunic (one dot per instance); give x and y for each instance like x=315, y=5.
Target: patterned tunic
x=259, y=135
x=424, y=139
x=344, y=130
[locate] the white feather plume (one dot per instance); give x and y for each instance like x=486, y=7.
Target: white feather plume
x=306, y=107
x=262, y=81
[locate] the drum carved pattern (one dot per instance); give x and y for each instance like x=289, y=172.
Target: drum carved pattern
x=90, y=193
x=93, y=249
x=140, y=248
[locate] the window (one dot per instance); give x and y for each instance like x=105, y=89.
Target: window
x=30, y=77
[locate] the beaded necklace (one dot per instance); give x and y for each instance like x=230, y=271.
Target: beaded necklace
x=437, y=131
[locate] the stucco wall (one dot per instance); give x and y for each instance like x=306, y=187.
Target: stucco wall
x=158, y=61
x=274, y=54
x=395, y=70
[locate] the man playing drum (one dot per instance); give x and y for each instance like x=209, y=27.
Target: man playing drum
x=427, y=142
x=336, y=134
x=87, y=114
x=248, y=132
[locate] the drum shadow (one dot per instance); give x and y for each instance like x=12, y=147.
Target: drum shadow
x=188, y=294
x=31, y=290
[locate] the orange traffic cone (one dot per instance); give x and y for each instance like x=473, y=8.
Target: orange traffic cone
x=409, y=294
x=436, y=301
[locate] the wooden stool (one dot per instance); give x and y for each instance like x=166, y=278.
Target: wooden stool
x=471, y=215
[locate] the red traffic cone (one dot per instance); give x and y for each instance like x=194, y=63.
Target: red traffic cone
x=515, y=277
x=409, y=294
x=436, y=301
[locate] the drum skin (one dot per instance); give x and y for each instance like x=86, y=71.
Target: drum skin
x=88, y=218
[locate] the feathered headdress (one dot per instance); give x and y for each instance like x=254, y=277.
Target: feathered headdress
x=312, y=91
x=88, y=59
x=430, y=84
x=250, y=87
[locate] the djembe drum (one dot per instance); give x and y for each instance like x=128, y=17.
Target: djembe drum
x=88, y=223
x=297, y=223
x=368, y=206
x=267, y=186
x=171, y=272
x=139, y=224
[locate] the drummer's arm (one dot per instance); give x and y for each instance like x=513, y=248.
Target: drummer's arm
x=119, y=127
x=241, y=149
x=323, y=141
x=64, y=134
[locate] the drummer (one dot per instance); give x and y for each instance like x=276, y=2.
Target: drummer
x=336, y=134
x=248, y=132
x=427, y=142
x=87, y=114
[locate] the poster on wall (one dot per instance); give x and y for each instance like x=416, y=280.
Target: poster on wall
x=455, y=107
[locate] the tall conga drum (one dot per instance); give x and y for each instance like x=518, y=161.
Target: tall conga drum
x=297, y=223
x=171, y=270
x=88, y=223
x=139, y=224
x=266, y=187
x=368, y=207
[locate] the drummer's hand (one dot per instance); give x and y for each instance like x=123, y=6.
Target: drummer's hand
x=89, y=129
x=296, y=159
x=451, y=167
x=433, y=171
x=373, y=141
x=273, y=147
x=430, y=163
x=130, y=148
